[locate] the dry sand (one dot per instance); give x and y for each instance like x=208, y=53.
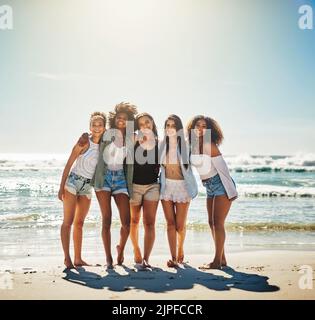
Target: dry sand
x=251, y=275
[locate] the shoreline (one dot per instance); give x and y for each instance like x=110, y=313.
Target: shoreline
x=43, y=243
x=268, y=274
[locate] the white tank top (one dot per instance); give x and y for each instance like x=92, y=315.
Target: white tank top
x=114, y=156
x=204, y=166
x=86, y=162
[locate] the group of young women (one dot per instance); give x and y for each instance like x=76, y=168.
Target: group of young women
x=128, y=162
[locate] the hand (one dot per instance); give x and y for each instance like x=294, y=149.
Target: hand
x=61, y=194
x=84, y=139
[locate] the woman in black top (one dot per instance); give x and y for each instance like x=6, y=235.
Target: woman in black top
x=146, y=189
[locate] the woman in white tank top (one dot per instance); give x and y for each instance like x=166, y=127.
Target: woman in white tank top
x=86, y=162
x=205, y=136
x=76, y=191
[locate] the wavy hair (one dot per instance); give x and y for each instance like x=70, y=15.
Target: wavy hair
x=216, y=131
x=124, y=107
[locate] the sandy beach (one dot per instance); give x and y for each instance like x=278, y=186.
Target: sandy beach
x=266, y=274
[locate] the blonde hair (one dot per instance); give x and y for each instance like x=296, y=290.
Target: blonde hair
x=97, y=115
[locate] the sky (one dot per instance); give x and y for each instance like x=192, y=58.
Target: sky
x=245, y=63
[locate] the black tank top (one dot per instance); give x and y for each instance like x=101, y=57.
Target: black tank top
x=147, y=171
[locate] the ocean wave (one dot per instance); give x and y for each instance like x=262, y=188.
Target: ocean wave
x=32, y=217
x=34, y=189
x=255, y=190
x=45, y=183
x=33, y=220
x=268, y=191
x=273, y=169
x=244, y=190
x=301, y=162
x=259, y=226
x=31, y=162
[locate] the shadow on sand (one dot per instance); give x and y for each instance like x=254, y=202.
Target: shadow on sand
x=159, y=280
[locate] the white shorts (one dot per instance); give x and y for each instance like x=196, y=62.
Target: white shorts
x=176, y=191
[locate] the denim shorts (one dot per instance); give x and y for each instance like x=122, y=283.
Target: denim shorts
x=78, y=185
x=214, y=186
x=114, y=182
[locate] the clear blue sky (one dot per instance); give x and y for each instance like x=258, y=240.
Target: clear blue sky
x=243, y=62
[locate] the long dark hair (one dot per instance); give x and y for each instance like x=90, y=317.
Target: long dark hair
x=181, y=143
x=144, y=114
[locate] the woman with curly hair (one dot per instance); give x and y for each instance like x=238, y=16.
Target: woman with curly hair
x=205, y=136
x=178, y=186
x=114, y=174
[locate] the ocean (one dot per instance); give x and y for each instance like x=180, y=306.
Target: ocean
x=275, y=208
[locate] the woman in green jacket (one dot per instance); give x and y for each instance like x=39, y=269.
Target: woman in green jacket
x=114, y=174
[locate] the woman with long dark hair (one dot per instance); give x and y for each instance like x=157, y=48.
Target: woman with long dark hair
x=178, y=186
x=146, y=189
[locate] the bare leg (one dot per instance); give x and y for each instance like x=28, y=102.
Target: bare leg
x=221, y=207
x=211, y=225
x=149, y=215
x=122, y=202
x=135, y=212
x=169, y=213
x=69, y=205
x=181, y=216
x=104, y=200
x=82, y=209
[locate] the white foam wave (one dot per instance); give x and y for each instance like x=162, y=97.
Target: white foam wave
x=242, y=162
x=254, y=190
x=246, y=162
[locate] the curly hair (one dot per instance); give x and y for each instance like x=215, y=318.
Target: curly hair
x=124, y=107
x=216, y=131
x=97, y=115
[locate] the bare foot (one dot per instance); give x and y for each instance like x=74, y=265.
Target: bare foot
x=211, y=265
x=109, y=263
x=215, y=265
x=223, y=261
x=120, y=255
x=137, y=255
x=172, y=264
x=180, y=255
x=145, y=264
x=109, y=266
x=68, y=263
x=80, y=263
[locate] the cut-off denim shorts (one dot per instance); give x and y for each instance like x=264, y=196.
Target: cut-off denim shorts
x=78, y=185
x=114, y=182
x=214, y=186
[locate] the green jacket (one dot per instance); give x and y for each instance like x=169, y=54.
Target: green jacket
x=98, y=179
